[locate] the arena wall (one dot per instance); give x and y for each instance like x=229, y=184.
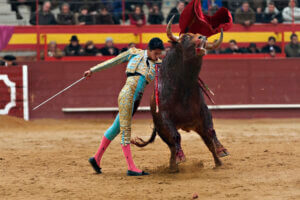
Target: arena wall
x=243, y=88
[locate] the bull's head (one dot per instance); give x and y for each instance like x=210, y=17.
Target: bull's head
x=196, y=41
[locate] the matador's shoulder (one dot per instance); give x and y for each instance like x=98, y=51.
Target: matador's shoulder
x=134, y=50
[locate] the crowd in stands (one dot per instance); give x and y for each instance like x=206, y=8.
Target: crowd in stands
x=86, y=12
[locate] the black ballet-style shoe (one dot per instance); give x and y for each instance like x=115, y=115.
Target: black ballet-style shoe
x=133, y=173
x=95, y=166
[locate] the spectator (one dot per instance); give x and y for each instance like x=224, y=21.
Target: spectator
x=245, y=15
x=211, y=6
x=8, y=60
x=293, y=48
x=155, y=15
x=74, y=48
x=271, y=16
x=90, y=49
x=16, y=3
x=130, y=45
x=176, y=11
x=65, y=17
x=137, y=17
x=75, y=5
x=233, y=48
x=109, y=49
x=271, y=47
x=84, y=17
x=288, y=12
x=45, y=15
x=252, y=48
x=104, y=17
x=53, y=51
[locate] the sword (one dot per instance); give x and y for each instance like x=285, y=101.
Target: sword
x=59, y=92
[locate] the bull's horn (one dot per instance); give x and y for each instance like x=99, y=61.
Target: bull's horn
x=169, y=31
x=216, y=44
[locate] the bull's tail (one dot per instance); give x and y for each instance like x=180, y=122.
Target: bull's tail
x=141, y=143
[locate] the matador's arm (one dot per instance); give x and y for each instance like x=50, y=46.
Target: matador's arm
x=123, y=57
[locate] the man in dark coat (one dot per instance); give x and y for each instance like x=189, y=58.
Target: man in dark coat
x=271, y=48
x=155, y=15
x=84, y=17
x=270, y=15
x=104, y=17
x=176, y=11
x=74, y=48
x=65, y=17
x=45, y=15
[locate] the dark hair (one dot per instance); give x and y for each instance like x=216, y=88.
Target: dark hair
x=156, y=43
x=232, y=41
x=272, y=38
x=293, y=35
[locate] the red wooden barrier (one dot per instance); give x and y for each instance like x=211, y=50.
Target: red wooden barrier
x=235, y=82
x=14, y=91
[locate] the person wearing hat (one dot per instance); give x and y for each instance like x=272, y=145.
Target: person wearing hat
x=140, y=71
x=74, y=48
x=8, y=60
x=109, y=49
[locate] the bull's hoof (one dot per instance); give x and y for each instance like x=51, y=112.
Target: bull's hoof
x=180, y=157
x=174, y=169
x=222, y=152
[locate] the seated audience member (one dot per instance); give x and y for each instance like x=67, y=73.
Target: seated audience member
x=45, y=15
x=155, y=15
x=53, y=51
x=293, y=48
x=90, y=49
x=138, y=17
x=288, y=12
x=176, y=11
x=109, y=49
x=84, y=18
x=16, y=3
x=271, y=47
x=8, y=60
x=245, y=15
x=252, y=48
x=130, y=45
x=104, y=17
x=211, y=6
x=65, y=17
x=271, y=15
x=233, y=48
x=75, y=5
x=74, y=48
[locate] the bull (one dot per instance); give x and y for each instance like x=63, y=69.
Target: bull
x=181, y=101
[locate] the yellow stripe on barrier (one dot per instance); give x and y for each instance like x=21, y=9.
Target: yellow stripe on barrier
x=23, y=38
x=125, y=38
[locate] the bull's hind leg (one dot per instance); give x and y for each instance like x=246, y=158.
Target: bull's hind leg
x=210, y=144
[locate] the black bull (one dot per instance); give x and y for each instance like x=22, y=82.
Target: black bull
x=181, y=101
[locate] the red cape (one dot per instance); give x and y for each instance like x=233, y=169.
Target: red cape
x=192, y=20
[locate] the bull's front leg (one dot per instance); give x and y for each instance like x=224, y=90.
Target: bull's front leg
x=171, y=128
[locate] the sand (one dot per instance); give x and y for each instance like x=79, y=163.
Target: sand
x=47, y=159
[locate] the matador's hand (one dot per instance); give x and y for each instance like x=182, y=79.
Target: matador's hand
x=87, y=73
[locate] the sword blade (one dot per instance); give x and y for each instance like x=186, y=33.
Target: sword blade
x=59, y=93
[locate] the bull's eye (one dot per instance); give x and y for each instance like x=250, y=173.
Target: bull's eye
x=200, y=37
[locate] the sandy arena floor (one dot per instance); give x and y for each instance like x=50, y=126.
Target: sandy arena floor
x=47, y=159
